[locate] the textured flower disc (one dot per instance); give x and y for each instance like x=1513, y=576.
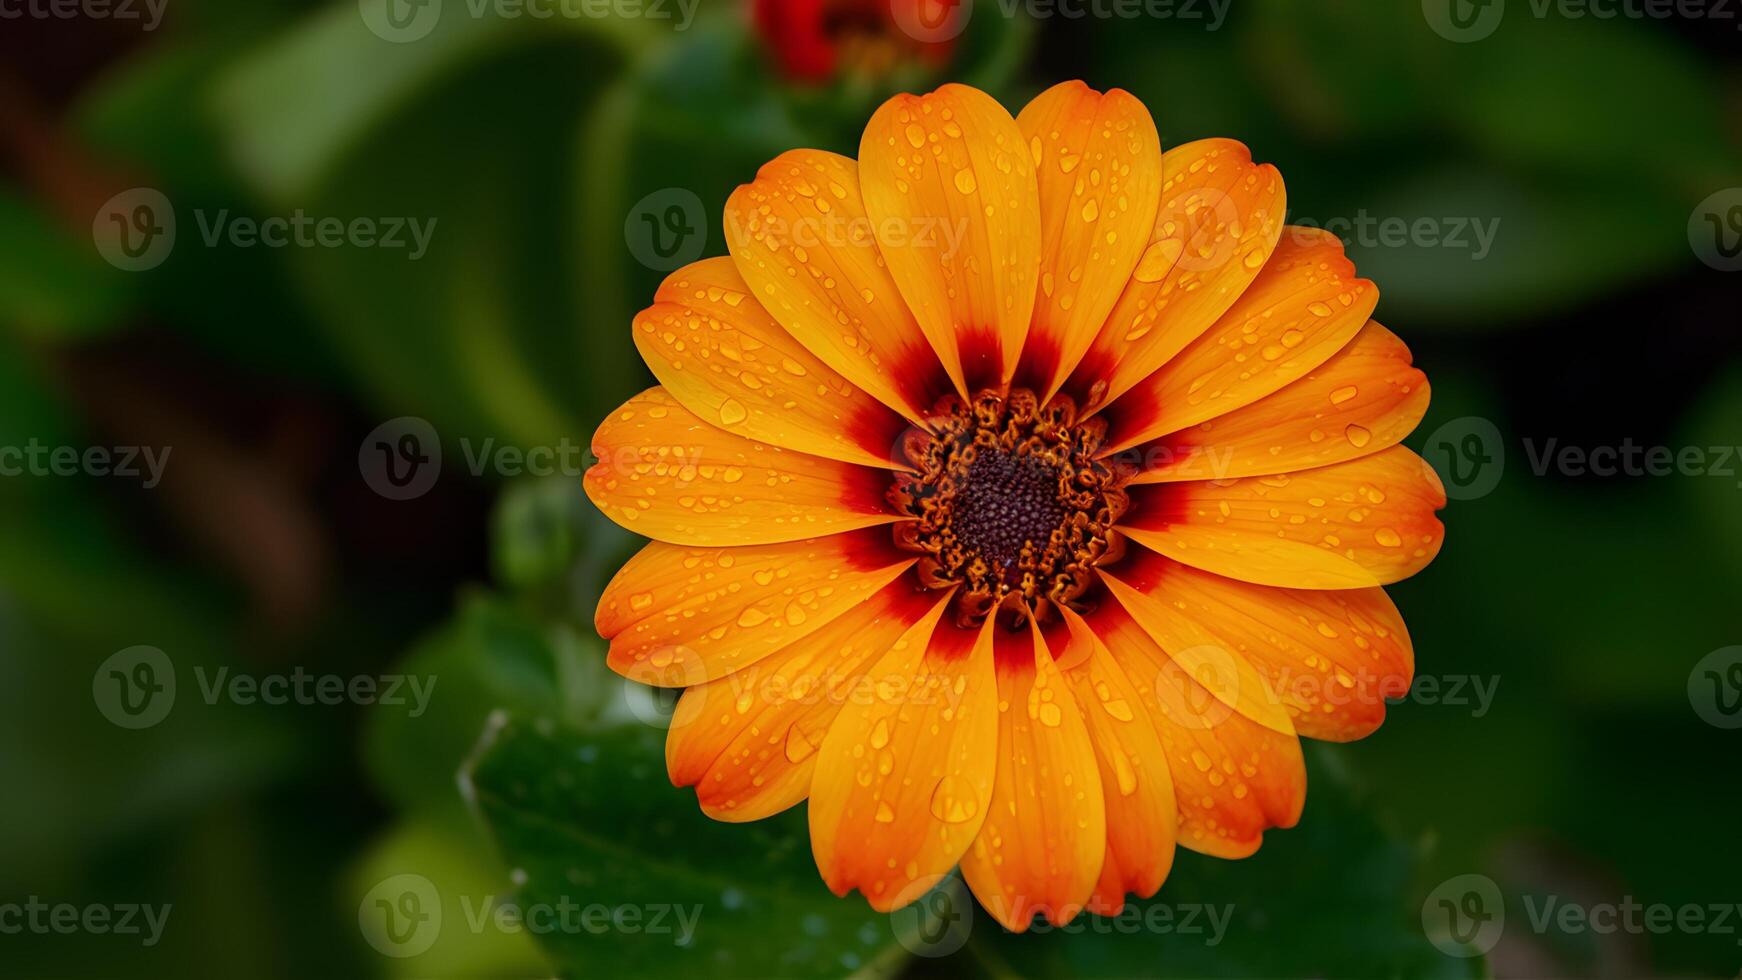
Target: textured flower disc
x=1020, y=494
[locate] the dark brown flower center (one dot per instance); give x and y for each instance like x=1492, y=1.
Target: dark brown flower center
x=1010, y=504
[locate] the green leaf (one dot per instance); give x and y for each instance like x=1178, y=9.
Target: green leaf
x=145, y=114
x=1547, y=244
x=1335, y=896
x=76, y=586
x=591, y=819
x=538, y=530
x=478, y=333
x=1564, y=96
x=53, y=285
x=1717, y=427
x=449, y=871
x=1340, y=68
x=491, y=657
x=288, y=136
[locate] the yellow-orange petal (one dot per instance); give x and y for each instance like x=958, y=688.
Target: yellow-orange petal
x=1366, y=522
x=1233, y=778
x=748, y=741
x=679, y=616
x=1142, y=816
x=1200, y=655
x=801, y=239
x=1097, y=160
x=718, y=352
x=664, y=473
x=1306, y=304
x=1216, y=226
x=1045, y=835
x=949, y=184
x=1330, y=657
x=1366, y=398
x=905, y=773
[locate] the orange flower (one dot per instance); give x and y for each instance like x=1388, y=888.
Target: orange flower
x=1019, y=494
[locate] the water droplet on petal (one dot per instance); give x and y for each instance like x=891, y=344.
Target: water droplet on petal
x=952, y=801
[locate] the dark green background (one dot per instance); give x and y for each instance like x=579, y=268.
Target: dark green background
x=1588, y=600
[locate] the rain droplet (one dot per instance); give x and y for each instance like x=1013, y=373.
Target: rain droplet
x=953, y=800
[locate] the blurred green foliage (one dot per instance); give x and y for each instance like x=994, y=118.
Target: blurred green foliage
x=1588, y=141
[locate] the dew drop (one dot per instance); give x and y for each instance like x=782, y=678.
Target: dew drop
x=952, y=801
